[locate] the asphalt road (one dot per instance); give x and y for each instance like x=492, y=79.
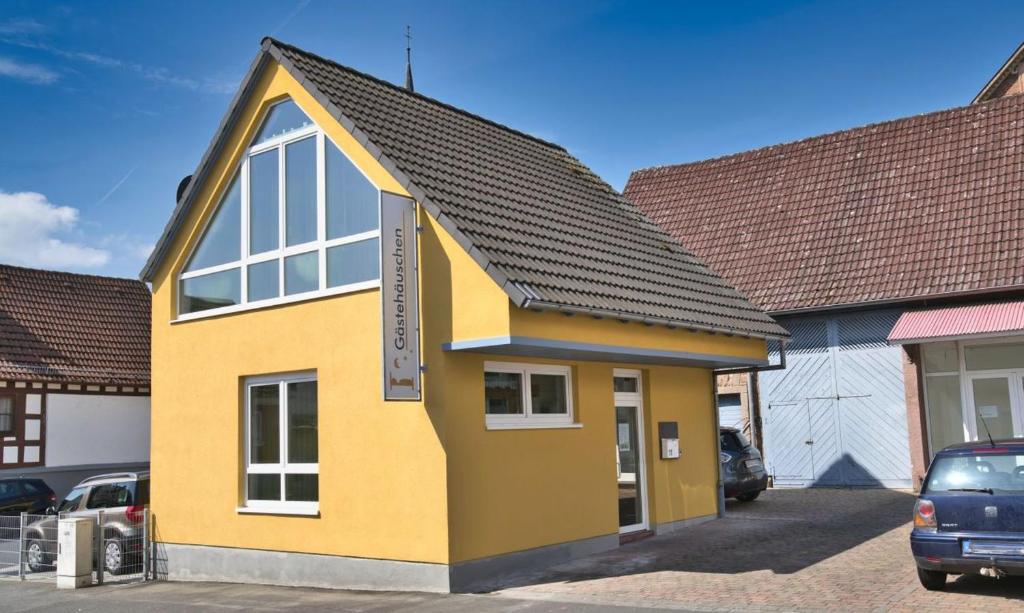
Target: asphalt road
x=16, y=596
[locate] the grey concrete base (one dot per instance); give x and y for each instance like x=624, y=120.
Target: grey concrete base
x=486, y=574
x=62, y=478
x=225, y=564
x=672, y=526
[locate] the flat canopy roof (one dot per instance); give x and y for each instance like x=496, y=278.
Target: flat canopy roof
x=528, y=346
x=946, y=323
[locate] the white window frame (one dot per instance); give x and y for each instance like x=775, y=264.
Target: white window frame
x=320, y=244
x=528, y=419
x=969, y=418
x=282, y=467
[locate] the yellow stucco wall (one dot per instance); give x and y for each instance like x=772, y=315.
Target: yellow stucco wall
x=587, y=329
x=421, y=481
x=511, y=490
x=382, y=465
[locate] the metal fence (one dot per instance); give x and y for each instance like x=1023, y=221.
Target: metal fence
x=120, y=551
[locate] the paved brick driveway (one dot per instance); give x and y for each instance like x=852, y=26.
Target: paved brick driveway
x=789, y=550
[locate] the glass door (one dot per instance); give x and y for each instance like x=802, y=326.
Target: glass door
x=995, y=401
x=629, y=452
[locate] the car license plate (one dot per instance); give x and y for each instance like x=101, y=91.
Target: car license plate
x=992, y=548
x=753, y=464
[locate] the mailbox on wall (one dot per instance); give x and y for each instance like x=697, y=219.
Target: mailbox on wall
x=668, y=432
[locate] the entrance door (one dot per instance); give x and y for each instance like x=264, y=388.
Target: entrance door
x=629, y=452
x=995, y=404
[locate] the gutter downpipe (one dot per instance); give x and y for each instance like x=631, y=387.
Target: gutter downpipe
x=718, y=446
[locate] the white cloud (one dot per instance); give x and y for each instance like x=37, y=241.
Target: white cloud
x=33, y=73
x=22, y=26
x=155, y=74
x=30, y=234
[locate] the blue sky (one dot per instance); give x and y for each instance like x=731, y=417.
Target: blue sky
x=106, y=105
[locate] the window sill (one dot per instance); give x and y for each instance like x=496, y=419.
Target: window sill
x=533, y=426
x=303, y=511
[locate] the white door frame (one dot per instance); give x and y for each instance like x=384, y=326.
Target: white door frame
x=636, y=400
x=1015, y=382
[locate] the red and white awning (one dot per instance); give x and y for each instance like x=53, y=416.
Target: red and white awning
x=975, y=320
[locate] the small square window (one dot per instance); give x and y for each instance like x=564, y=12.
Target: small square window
x=503, y=393
x=547, y=394
x=508, y=405
x=301, y=273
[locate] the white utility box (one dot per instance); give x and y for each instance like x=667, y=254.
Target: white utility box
x=74, y=553
x=669, y=448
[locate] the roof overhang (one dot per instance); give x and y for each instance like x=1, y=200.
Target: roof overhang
x=534, y=347
x=519, y=294
x=959, y=322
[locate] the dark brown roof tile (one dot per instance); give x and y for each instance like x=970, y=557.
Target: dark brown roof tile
x=64, y=327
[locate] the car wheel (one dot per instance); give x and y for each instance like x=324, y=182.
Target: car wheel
x=36, y=556
x=748, y=497
x=113, y=556
x=933, y=580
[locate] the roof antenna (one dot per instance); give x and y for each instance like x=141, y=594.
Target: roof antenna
x=408, y=59
x=984, y=422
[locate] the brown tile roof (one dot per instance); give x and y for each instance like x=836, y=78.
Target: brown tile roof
x=64, y=327
x=551, y=233
x=917, y=207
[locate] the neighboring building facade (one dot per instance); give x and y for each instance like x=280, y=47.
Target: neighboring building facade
x=516, y=352
x=74, y=375
x=871, y=246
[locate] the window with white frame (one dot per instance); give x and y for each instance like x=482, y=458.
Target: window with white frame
x=282, y=450
x=6, y=414
x=297, y=220
x=527, y=395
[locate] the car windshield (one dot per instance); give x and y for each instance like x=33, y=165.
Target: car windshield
x=70, y=502
x=995, y=472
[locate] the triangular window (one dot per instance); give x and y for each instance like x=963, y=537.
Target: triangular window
x=283, y=118
x=298, y=220
x=221, y=242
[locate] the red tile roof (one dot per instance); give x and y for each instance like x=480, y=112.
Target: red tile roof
x=64, y=327
x=917, y=207
x=959, y=321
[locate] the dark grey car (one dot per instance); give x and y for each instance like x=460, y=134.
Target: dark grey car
x=743, y=474
x=122, y=498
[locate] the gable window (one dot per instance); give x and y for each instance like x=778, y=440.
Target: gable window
x=282, y=450
x=527, y=395
x=298, y=220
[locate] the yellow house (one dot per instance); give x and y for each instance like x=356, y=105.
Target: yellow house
x=399, y=346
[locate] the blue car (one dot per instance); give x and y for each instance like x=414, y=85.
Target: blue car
x=969, y=517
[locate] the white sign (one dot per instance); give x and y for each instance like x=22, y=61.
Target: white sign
x=399, y=297
x=989, y=411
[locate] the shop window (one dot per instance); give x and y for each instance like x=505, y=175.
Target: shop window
x=940, y=357
x=527, y=395
x=282, y=450
x=6, y=415
x=945, y=413
x=298, y=220
x=994, y=357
